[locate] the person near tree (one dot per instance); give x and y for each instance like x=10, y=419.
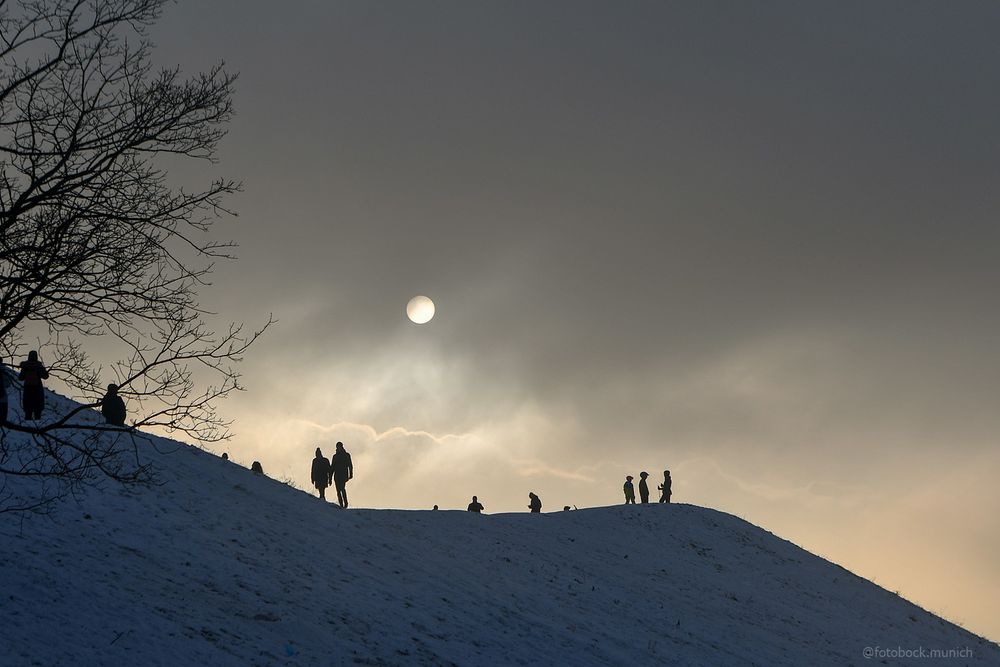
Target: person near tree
x=33, y=397
x=113, y=407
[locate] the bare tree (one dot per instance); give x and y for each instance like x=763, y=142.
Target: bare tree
x=95, y=240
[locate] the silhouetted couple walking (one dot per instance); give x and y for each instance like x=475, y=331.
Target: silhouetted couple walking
x=337, y=471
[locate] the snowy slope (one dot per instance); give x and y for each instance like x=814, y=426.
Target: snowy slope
x=219, y=567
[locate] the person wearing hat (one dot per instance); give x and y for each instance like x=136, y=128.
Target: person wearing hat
x=643, y=488
x=629, y=491
x=113, y=407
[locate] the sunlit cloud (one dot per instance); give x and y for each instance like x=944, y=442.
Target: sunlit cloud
x=742, y=277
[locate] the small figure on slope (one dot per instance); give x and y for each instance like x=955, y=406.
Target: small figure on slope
x=476, y=506
x=536, y=503
x=341, y=472
x=629, y=491
x=665, y=487
x=643, y=487
x=33, y=398
x=320, y=473
x=113, y=407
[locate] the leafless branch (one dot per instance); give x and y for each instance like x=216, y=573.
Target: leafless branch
x=96, y=241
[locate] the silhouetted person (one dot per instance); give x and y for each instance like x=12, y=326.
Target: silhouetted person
x=629, y=491
x=321, y=473
x=665, y=487
x=33, y=398
x=113, y=407
x=643, y=488
x=476, y=506
x=225, y=456
x=435, y=507
x=565, y=508
x=536, y=503
x=256, y=468
x=341, y=471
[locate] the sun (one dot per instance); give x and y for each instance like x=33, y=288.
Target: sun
x=420, y=310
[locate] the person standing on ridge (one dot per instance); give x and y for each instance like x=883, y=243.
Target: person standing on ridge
x=320, y=473
x=33, y=398
x=536, y=503
x=113, y=407
x=629, y=491
x=665, y=487
x=643, y=488
x=476, y=506
x=341, y=472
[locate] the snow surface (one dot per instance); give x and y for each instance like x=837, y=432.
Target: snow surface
x=217, y=566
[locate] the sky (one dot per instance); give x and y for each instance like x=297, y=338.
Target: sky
x=755, y=243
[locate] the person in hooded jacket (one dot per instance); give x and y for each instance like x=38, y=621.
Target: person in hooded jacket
x=536, y=503
x=643, y=487
x=113, y=407
x=321, y=473
x=33, y=397
x=341, y=472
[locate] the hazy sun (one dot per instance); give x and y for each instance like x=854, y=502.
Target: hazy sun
x=420, y=310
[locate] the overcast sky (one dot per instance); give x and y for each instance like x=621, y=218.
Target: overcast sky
x=755, y=243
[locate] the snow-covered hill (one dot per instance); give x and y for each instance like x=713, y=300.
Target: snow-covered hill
x=216, y=566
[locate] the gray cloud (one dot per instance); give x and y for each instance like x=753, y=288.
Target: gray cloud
x=754, y=242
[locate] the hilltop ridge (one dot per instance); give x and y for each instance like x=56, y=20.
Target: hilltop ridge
x=217, y=566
